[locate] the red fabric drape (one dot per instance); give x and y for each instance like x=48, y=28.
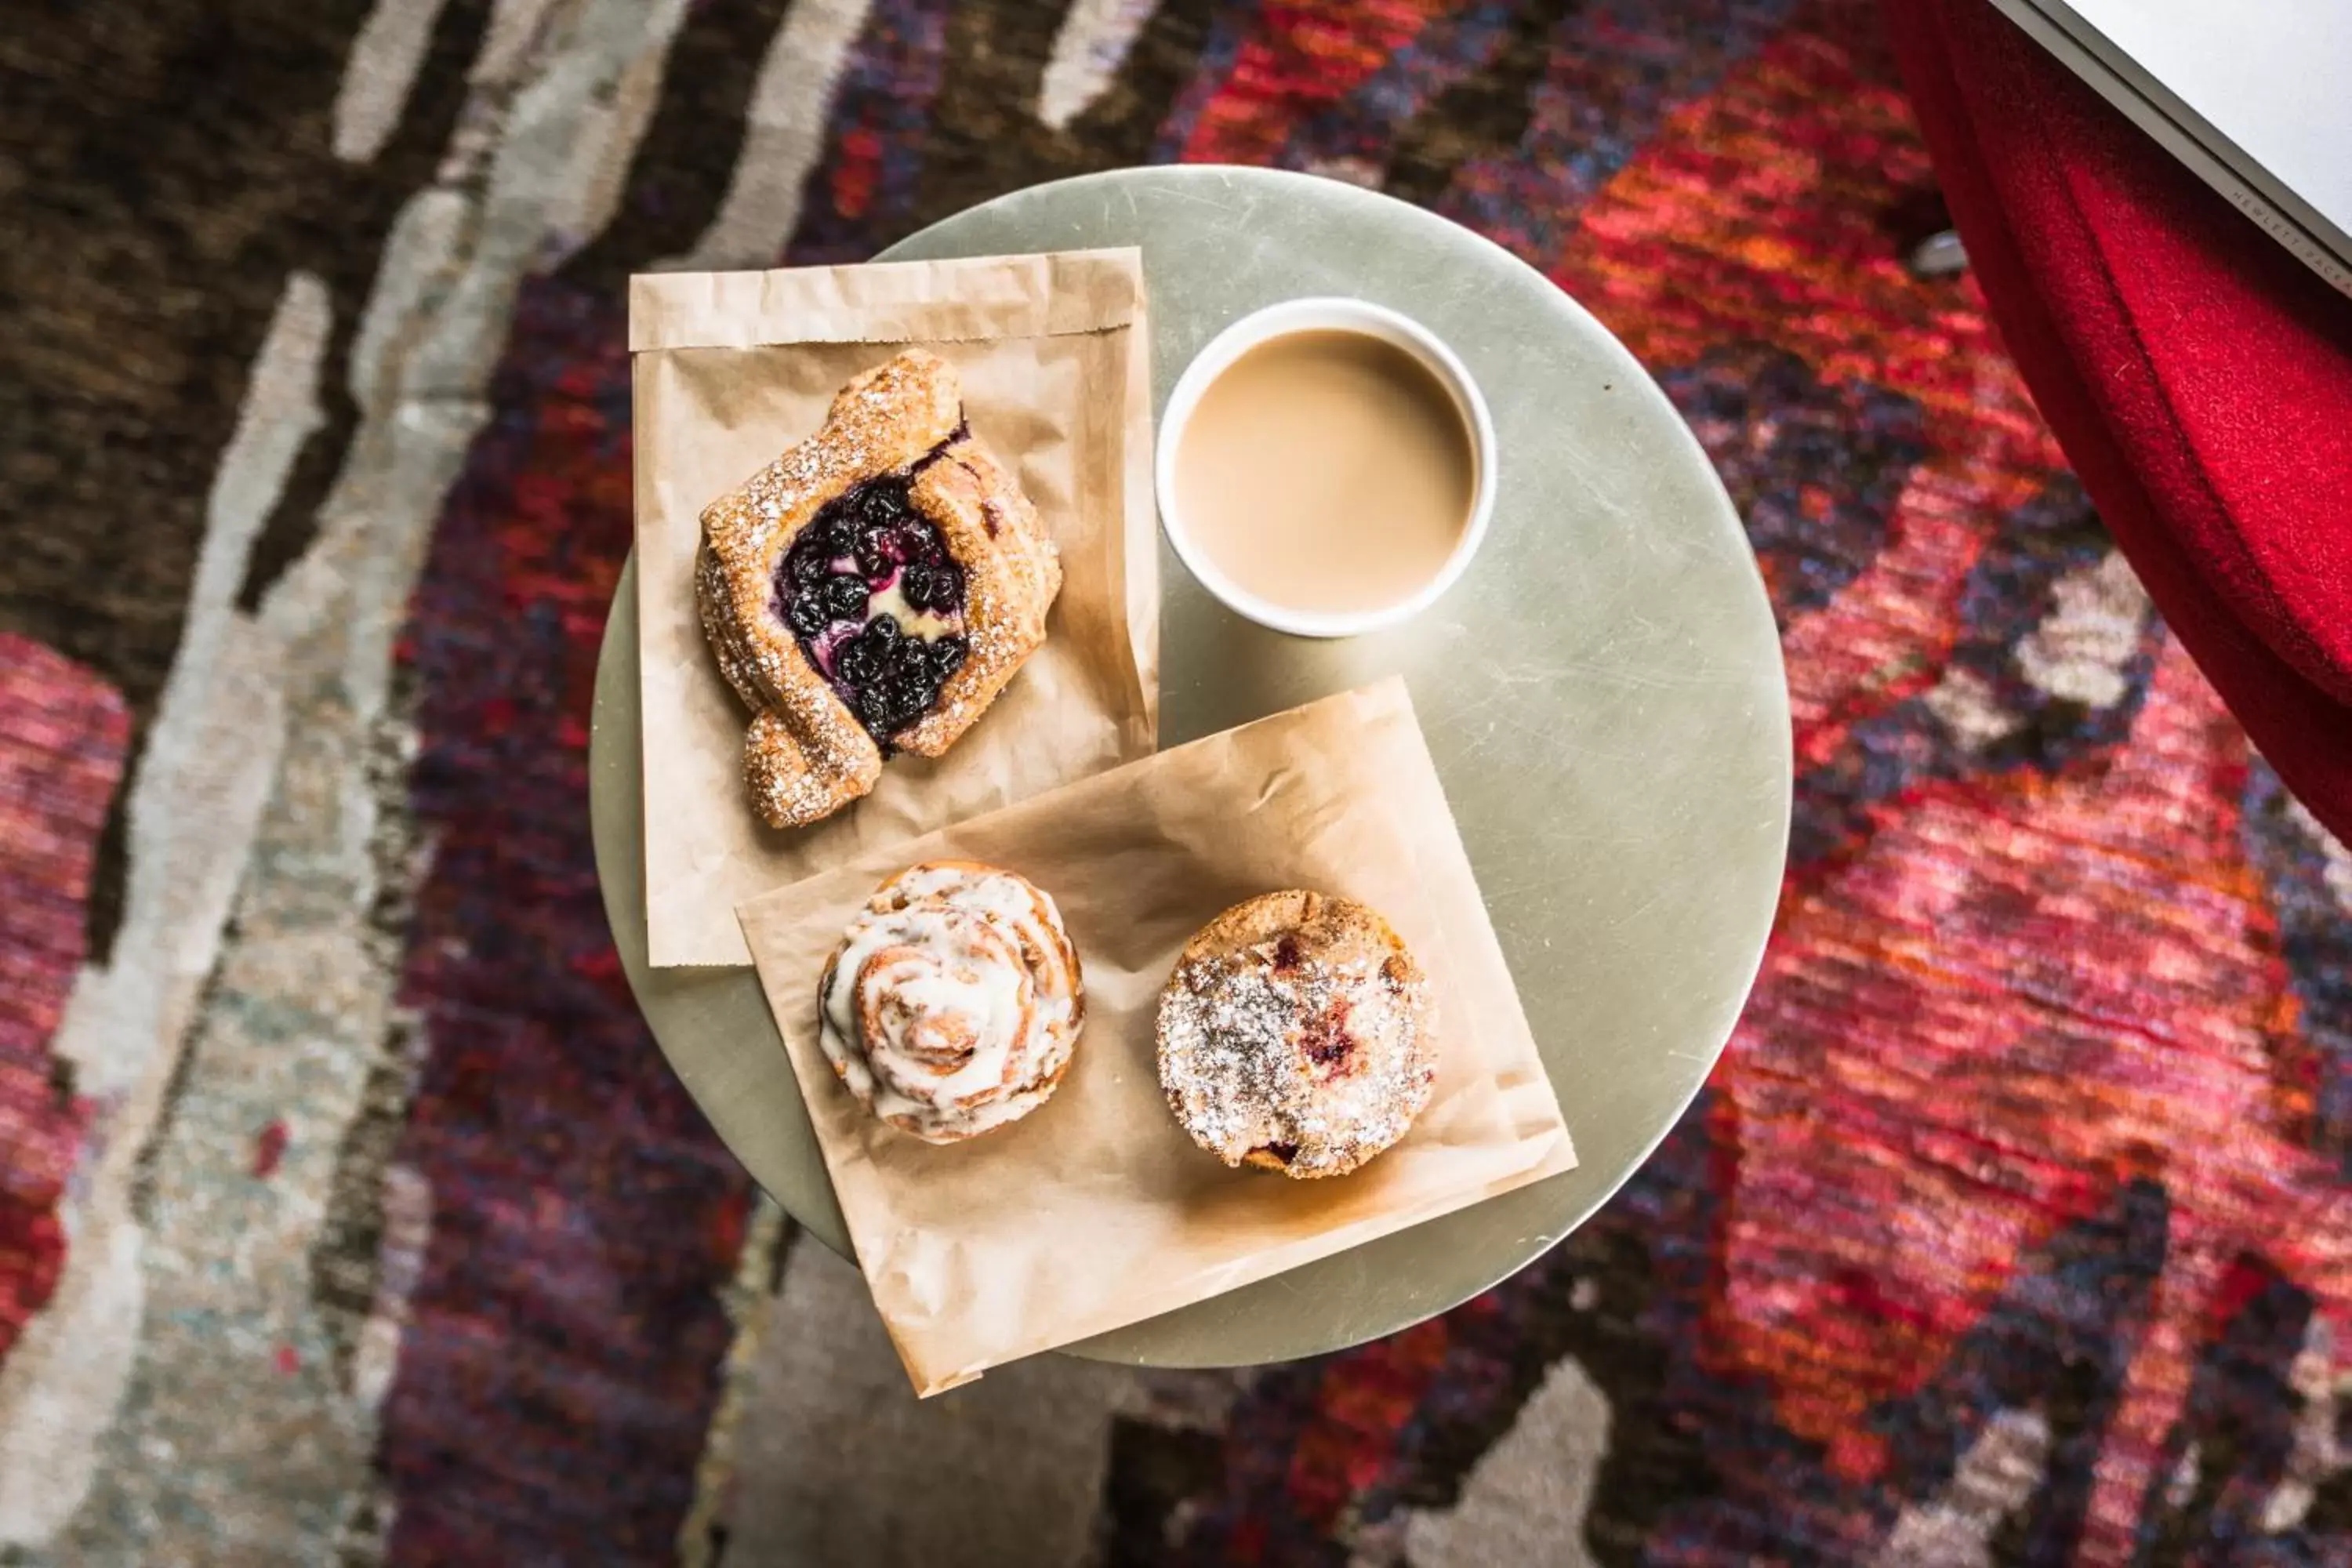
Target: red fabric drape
x=2198, y=376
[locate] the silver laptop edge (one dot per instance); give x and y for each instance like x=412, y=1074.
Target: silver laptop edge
x=2181, y=131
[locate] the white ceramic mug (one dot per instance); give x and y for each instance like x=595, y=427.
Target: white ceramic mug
x=1326, y=314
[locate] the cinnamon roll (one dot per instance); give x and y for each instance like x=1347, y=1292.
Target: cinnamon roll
x=953, y=1001
x=1295, y=1036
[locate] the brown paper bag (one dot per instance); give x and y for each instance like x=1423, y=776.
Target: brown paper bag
x=1097, y=1210
x=730, y=369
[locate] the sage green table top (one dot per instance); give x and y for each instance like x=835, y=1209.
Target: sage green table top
x=1603, y=692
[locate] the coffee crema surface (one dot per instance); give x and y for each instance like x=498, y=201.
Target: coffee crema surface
x=1327, y=471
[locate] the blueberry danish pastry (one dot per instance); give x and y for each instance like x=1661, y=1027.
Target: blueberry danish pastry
x=872, y=590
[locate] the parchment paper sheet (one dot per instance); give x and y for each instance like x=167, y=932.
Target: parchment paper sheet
x=731, y=368
x=1097, y=1210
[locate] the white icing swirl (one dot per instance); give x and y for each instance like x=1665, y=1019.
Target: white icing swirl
x=953, y=1001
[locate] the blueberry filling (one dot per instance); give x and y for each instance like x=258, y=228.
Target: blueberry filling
x=844, y=597
x=877, y=603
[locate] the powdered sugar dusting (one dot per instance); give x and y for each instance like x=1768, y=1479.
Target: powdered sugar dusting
x=1306, y=1046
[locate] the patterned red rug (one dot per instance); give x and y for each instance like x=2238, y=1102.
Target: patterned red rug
x=347, y=1213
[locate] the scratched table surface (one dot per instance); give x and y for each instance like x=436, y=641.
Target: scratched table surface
x=1603, y=692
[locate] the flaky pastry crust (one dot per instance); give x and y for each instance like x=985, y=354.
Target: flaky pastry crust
x=806, y=756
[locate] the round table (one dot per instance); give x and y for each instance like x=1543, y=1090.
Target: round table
x=1602, y=693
